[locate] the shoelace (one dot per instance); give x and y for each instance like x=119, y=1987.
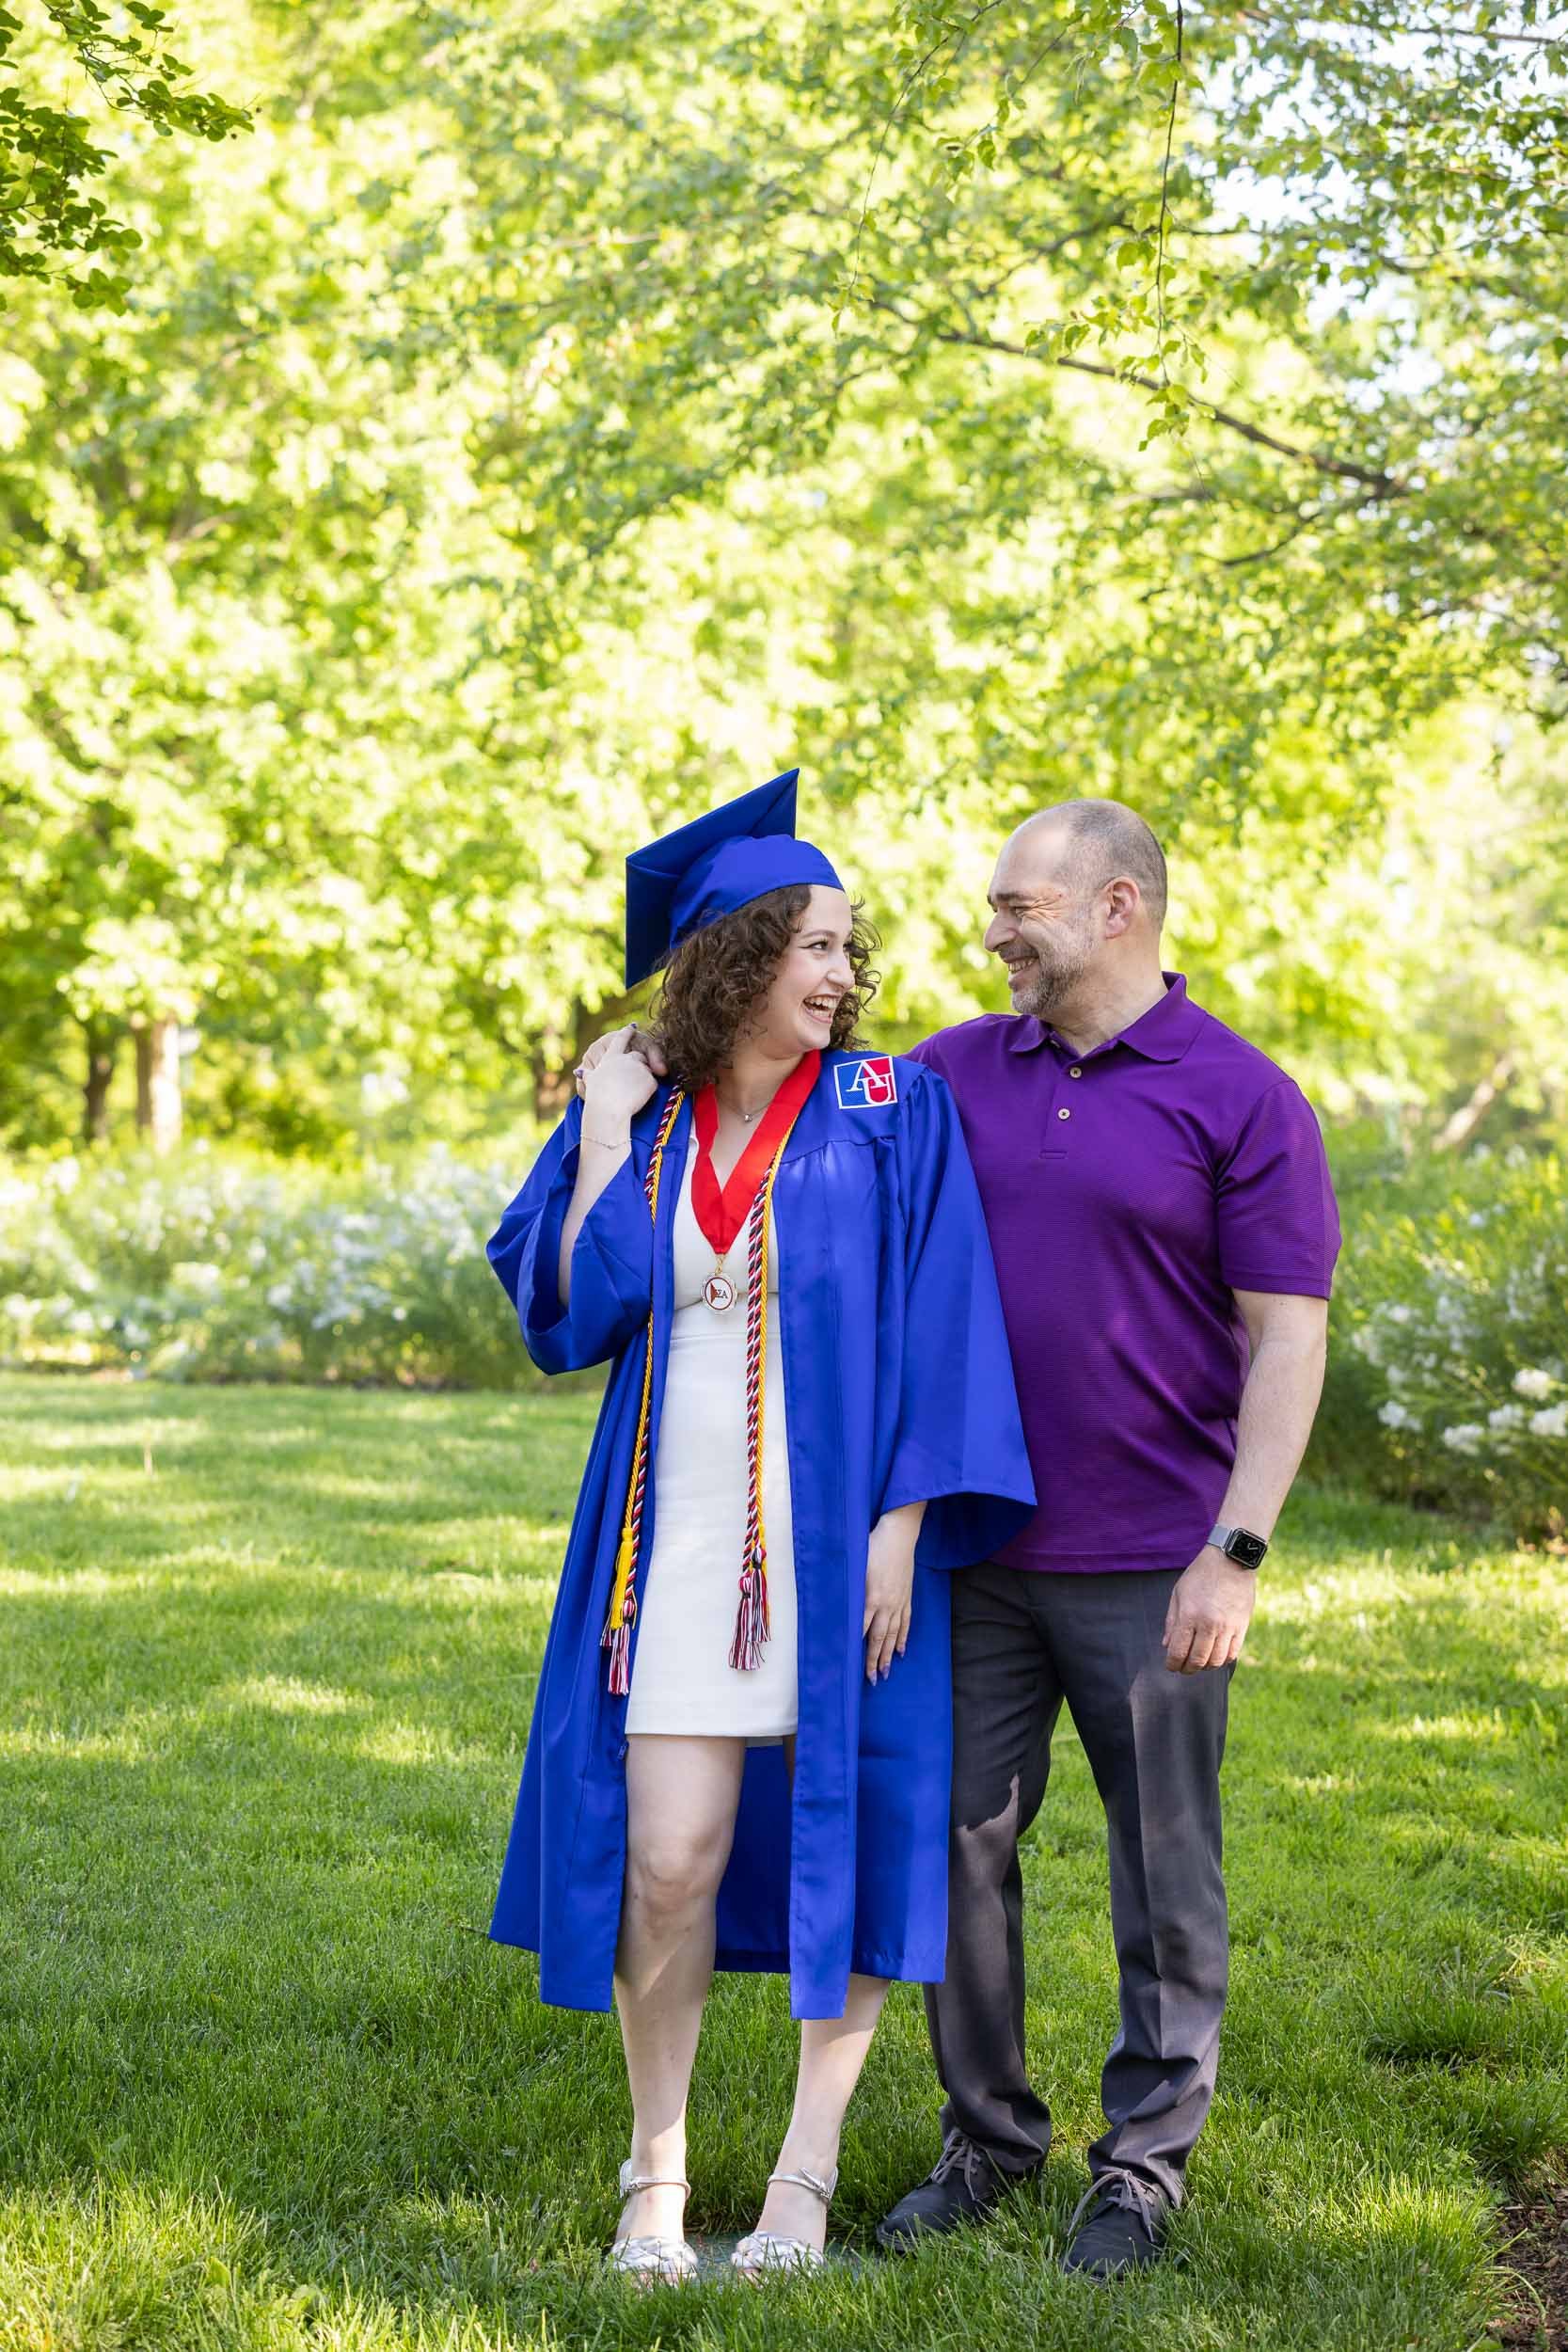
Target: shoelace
x=959, y=2154
x=1126, y=2190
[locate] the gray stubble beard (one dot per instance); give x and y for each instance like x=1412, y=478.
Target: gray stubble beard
x=1051, y=984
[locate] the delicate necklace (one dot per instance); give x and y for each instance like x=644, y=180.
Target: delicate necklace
x=722, y=1210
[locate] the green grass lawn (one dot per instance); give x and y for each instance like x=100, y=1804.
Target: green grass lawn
x=267, y=1666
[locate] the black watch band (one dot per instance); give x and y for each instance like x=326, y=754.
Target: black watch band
x=1241, y=1544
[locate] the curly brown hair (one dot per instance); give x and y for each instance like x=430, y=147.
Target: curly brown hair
x=714, y=980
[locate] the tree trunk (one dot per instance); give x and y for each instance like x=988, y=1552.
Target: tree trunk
x=103, y=1047
x=1467, y=1117
x=158, y=1105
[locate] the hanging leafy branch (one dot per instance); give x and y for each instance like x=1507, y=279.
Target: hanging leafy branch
x=49, y=213
x=1215, y=295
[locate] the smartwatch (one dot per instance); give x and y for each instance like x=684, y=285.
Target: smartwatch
x=1241, y=1544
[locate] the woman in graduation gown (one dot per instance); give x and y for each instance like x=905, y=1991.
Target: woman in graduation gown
x=740, y=1745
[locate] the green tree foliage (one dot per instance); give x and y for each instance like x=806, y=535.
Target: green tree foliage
x=1266, y=343
x=542, y=423
x=49, y=214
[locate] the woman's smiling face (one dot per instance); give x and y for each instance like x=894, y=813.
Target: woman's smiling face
x=786, y=975
x=796, y=1016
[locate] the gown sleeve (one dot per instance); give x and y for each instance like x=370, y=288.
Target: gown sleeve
x=611, y=1258
x=958, y=1445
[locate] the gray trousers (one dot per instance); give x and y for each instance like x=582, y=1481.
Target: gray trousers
x=1022, y=1642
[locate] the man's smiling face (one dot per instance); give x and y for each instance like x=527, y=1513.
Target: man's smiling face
x=1044, y=924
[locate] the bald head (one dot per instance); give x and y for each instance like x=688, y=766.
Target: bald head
x=1077, y=900
x=1101, y=840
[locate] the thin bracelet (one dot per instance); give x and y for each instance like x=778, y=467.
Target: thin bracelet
x=604, y=1145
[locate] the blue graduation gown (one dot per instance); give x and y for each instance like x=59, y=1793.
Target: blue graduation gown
x=900, y=1388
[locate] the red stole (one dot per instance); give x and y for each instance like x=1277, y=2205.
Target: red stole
x=720, y=1213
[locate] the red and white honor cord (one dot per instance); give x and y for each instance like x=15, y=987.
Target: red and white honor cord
x=752, y=1620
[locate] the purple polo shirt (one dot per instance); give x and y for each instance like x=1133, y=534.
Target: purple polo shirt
x=1130, y=1191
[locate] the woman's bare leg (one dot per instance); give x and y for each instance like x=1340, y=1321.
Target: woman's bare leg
x=681, y=1801
x=833, y=2051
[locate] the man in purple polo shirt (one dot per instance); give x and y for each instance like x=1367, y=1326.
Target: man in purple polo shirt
x=1164, y=1234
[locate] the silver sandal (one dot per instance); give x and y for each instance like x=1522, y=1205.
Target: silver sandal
x=655, y=2260
x=765, y=2249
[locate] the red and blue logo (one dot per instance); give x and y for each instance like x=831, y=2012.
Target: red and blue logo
x=867, y=1084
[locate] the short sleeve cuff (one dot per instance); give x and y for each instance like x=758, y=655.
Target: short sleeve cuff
x=1280, y=1281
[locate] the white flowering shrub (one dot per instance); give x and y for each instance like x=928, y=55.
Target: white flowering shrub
x=1448, y=1375
x=1449, y=1359
x=225, y=1266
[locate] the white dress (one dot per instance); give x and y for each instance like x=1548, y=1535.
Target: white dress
x=682, y=1681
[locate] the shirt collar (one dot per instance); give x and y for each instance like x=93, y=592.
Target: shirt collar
x=1163, y=1033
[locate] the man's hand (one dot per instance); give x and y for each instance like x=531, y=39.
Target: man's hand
x=630, y=1039
x=1209, y=1611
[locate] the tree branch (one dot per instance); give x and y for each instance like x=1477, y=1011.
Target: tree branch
x=1164, y=187
x=1275, y=547
x=1382, y=483
x=1441, y=32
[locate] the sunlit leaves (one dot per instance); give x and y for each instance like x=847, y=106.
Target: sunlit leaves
x=1317, y=252
x=547, y=422
x=52, y=224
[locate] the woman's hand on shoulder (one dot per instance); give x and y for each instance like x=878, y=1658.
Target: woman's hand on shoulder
x=615, y=1086
x=889, y=1588
x=627, y=1040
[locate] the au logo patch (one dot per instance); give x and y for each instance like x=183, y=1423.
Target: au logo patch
x=866, y=1085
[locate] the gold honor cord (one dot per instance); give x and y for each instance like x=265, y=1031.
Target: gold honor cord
x=616, y=1637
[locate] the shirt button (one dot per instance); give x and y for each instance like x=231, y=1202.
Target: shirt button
x=1074, y=1073
x=1064, y=1113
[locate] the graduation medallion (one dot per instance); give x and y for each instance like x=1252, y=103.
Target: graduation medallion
x=723, y=1211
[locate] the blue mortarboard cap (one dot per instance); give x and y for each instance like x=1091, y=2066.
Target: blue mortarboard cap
x=709, y=867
